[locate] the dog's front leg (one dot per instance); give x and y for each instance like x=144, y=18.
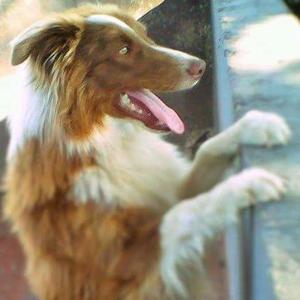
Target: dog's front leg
x=216, y=155
x=187, y=226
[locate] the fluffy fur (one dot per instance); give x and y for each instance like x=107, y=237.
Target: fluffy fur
x=103, y=206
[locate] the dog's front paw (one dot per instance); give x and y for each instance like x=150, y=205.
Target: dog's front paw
x=262, y=128
x=256, y=185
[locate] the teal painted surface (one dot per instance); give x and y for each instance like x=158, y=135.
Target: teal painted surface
x=261, y=48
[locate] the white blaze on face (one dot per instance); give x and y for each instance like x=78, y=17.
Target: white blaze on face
x=184, y=62
x=183, y=59
x=107, y=20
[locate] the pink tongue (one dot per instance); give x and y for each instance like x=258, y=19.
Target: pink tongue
x=161, y=111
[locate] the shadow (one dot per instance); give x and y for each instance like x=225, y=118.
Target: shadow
x=190, y=31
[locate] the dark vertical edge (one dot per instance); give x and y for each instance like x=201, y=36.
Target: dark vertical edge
x=223, y=97
x=224, y=118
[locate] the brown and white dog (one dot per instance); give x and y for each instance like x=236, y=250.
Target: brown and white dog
x=103, y=206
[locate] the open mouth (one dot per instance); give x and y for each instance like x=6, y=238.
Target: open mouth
x=146, y=107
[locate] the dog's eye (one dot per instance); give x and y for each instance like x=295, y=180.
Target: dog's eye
x=124, y=50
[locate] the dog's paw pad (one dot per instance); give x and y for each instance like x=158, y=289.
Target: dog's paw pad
x=261, y=128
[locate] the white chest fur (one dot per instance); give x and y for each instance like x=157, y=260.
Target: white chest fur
x=136, y=167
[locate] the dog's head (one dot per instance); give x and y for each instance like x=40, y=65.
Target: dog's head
x=101, y=61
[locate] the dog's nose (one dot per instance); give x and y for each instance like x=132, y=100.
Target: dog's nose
x=197, y=68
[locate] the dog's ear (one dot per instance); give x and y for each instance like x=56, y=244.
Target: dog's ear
x=47, y=36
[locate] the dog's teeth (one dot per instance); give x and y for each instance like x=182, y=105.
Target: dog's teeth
x=125, y=101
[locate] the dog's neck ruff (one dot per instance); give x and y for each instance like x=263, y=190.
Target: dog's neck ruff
x=34, y=115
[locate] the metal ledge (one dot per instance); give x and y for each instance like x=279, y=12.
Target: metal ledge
x=257, y=66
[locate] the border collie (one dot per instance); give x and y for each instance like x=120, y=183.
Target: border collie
x=104, y=207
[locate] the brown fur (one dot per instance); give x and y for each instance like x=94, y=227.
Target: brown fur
x=84, y=251
x=82, y=71
x=78, y=251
